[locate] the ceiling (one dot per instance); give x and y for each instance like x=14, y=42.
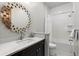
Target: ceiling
x=54, y=4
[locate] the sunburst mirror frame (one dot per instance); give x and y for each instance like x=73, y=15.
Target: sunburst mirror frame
x=6, y=16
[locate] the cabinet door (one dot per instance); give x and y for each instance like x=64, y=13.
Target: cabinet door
x=34, y=50
x=40, y=49
x=30, y=51
x=39, y=52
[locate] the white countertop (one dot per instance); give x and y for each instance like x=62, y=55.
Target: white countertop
x=14, y=46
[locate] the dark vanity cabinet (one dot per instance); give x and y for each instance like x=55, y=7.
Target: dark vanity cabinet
x=37, y=49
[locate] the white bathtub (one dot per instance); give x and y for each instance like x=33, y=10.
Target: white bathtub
x=60, y=48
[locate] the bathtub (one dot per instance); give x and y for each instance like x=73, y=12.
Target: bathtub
x=60, y=48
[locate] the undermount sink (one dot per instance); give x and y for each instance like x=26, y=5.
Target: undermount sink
x=25, y=41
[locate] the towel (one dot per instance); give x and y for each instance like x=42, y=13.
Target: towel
x=72, y=33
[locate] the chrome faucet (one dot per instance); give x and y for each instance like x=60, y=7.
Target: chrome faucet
x=21, y=35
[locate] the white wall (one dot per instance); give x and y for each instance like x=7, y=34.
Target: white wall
x=38, y=12
x=37, y=16
x=76, y=14
x=59, y=37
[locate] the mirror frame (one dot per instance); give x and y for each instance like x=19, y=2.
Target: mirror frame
x=6, y=16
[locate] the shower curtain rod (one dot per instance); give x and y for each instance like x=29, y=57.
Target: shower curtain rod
x=63, y=12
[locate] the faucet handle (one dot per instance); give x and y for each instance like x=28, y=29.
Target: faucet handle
x=31, y=34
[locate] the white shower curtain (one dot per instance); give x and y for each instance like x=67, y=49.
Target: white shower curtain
x=56, y=25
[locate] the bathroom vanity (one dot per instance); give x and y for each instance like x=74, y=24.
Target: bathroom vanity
x=34, y=50
x=27, y=47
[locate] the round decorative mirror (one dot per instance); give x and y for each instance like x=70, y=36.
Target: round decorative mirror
x=15, y=17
